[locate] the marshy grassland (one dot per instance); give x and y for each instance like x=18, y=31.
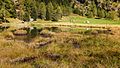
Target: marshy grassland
x=59, y=33
x=58, y=46
x=55, y=47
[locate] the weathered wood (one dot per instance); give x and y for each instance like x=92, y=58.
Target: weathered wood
x=23, y=59
x=38, y=45
x=52, y=56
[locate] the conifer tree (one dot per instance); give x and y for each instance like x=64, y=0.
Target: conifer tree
x=94, y=8
x=119, y=13
x=49, y=12
x=77, y=11
x=101, y=13
x=42, y=10
x=57, y=15
x=59, y=12
x=26, y=17
x=113, y=15
x=66, y=10
x=34, y=12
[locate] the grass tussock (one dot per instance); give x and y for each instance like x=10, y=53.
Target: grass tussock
x=69, y=49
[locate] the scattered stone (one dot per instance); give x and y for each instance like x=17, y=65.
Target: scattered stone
x=94, y=33
x=87, y=22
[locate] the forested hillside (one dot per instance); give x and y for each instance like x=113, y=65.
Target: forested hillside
x=55, y=9
x=59, y=33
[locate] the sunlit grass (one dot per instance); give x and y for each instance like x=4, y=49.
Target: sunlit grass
x=82, y=20
x=70, y=48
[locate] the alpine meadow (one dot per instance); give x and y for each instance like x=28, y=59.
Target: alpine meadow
x=59, y=33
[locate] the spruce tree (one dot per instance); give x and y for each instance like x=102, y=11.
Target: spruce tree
x=34, y=12
x=101, y=13
x=49, y=12
x=94, y=8
x=119, y=13
x=113, y=15
x=66, y=10
x=57, y=15
x=42, y=10
x=77, y=11
x=26, y=17
x=59, y=12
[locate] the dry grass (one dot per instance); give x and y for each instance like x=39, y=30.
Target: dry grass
x=69, y=49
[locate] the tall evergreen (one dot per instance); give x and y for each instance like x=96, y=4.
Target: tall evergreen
x=59, y=12
x=34, y=13
x=49, y=12
x=101, y=13
x=42, y=10
x=113, y=15
x=57, y=15
x=26, y=17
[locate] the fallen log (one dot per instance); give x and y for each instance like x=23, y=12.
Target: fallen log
x=38, y=45
x=23, y=59
x=52, y=56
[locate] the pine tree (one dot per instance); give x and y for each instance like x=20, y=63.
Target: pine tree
x=101, y=13
x=34, y=12
x=49, y=12
x=57, y=15
x=119, y=13
x=59, y=12
x=94, y=8
x=26, y=17
x=42, y=10
x=113, y=15
x=77, y=11
x=66, y=10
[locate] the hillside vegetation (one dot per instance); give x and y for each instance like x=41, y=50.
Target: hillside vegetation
x=59, y=34
x=55, y=9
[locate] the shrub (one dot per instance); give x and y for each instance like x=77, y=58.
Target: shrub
x=34, y=32
x=66, y=11
x=89, y=14
x=76, y=11
x=113, y=15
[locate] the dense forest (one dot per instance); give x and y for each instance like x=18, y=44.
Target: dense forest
x=54, y=9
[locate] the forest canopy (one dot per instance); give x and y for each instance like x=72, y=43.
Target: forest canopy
x=54, y=9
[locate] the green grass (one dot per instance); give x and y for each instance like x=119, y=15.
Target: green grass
x=81, y=20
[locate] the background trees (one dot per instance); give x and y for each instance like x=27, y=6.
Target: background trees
x=42, y=10
x=50, y=11
x=55, y=9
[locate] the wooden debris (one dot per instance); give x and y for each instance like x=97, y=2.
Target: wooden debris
x=23, y=59
x=38, y=45
x=52, y=56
